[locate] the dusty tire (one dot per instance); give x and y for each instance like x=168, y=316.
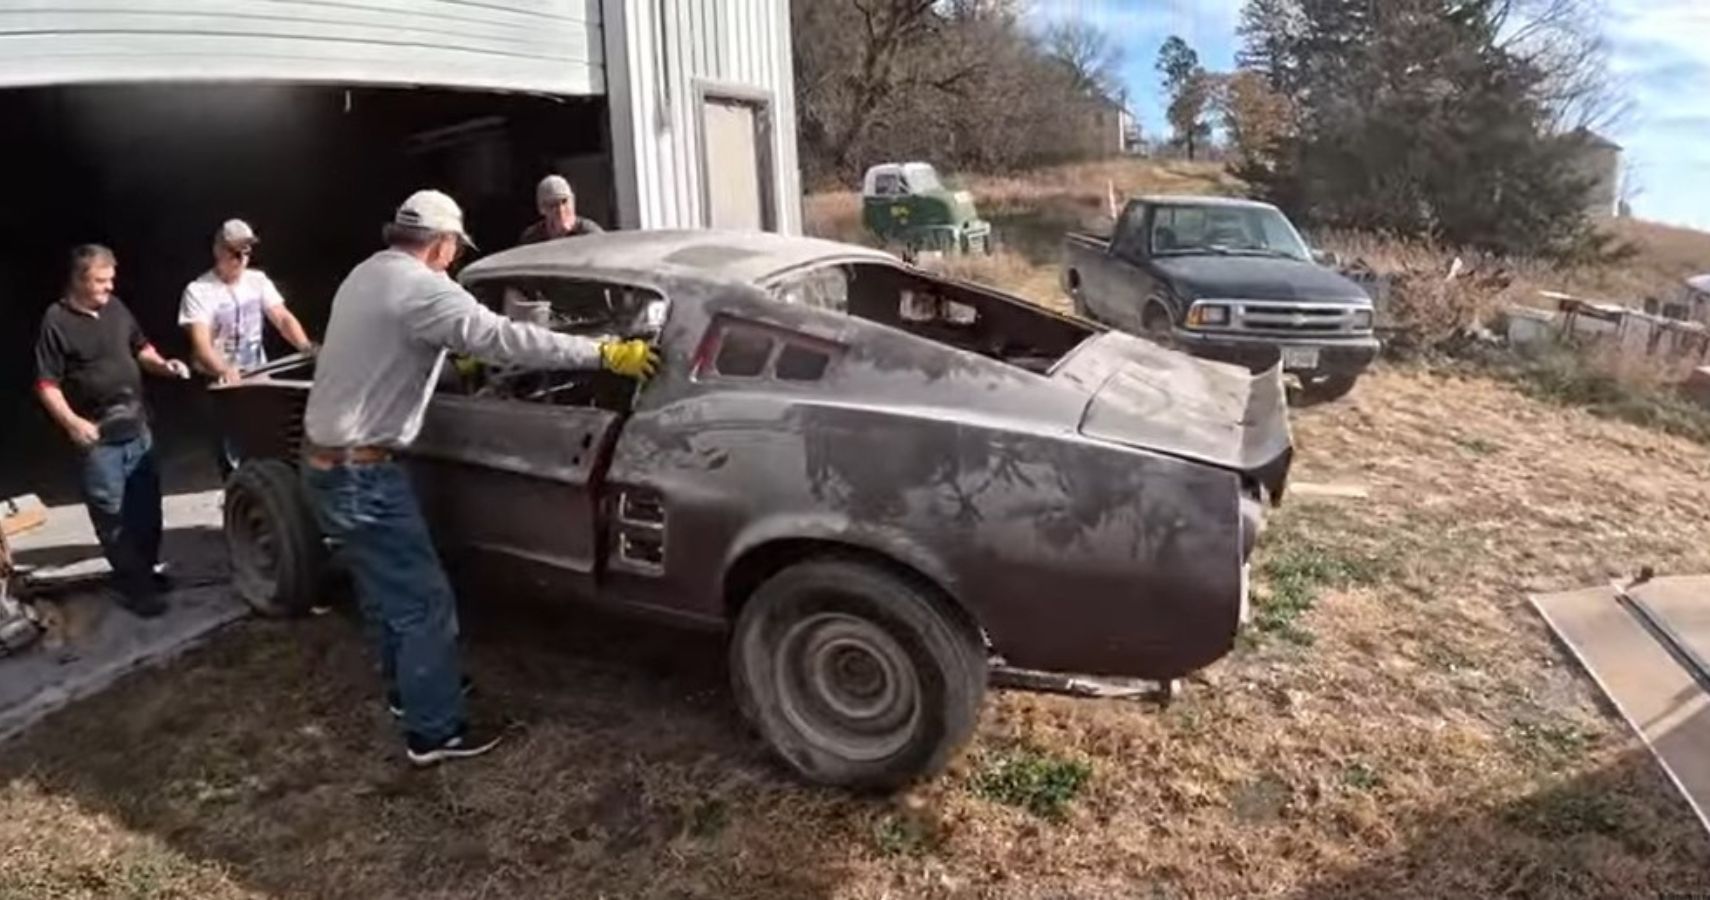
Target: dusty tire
x=278, y=559
x=1326, y=388
x=858, y=677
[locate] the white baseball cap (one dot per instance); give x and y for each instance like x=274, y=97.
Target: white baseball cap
x=236, y=233
x=433, y=211
x=552, y=189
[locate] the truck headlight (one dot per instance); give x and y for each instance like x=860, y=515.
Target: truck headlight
x=1363, y=320
x=1208, y=314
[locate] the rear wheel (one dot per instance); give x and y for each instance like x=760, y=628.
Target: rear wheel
x=857, y=676
x=277, y=557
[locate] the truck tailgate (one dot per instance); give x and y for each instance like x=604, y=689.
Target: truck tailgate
x=1166, y=401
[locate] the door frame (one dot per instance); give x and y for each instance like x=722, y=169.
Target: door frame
x=765, y=106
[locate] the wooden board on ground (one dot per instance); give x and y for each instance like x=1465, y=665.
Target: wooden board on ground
x=21, y=514
x=1657, y=696
x=1298, y=489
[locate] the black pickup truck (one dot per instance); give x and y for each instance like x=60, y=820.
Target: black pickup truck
x=1224, y=279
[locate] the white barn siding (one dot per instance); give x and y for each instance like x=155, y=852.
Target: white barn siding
x=664, y=57
x=550, y=46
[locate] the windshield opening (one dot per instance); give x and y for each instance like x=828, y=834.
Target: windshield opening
x=923, y=180
x=1230, y=230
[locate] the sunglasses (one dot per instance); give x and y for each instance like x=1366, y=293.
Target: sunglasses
x=239, y=252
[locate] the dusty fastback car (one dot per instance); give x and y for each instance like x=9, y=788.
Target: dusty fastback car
x=878, y=481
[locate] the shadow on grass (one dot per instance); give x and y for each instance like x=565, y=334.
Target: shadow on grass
x=270, y=756
x=1594, y=836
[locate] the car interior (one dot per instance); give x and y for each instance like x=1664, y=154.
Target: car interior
x=585, y=308
x=956, y=314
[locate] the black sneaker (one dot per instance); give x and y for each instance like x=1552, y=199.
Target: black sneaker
x=395, y=703
x=141, y=604
x=466, y=743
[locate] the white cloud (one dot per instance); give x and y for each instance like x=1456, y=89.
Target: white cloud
x=1662, y=56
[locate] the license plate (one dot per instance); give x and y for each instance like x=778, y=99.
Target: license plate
x=1299, y=358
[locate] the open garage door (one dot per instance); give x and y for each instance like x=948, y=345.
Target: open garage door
x=150, y=170
x=549, y=46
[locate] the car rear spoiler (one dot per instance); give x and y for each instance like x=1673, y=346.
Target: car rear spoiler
x=1146, y=396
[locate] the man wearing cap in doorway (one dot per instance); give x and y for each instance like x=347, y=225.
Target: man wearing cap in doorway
x=556, y=203
x=393, y=320
x=223, y=311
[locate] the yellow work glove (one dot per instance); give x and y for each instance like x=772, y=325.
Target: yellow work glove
x=633, y=359
x=466, y=366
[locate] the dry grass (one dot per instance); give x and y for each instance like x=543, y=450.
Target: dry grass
x=1424, y=738
x=1660, y=258
x=1397, y=724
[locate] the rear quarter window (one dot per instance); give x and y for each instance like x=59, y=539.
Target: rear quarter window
x=752, y=351
x=799, y=363
x=742, y=352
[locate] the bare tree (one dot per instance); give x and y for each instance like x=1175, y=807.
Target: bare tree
x=1093, y=61
x=1564, y=40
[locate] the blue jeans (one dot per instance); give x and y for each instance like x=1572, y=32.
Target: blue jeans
x=406, y=600
x=121, y=488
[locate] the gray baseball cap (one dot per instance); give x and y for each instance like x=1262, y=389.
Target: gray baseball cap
x=552, y=189
x=433, y=211
x=236, y=233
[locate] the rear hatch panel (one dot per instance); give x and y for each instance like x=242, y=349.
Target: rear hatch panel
x=1150, y=397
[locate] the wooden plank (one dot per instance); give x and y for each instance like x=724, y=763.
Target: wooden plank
x=1654, y=693
x=21, y=514
x=24, y=520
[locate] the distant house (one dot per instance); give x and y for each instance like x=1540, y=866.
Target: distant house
x=1106, y=129
x=1599, y=159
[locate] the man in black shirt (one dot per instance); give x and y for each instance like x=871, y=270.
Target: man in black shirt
x=90, y=356
x=556, y=203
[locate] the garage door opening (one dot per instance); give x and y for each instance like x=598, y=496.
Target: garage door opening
x=152, y=170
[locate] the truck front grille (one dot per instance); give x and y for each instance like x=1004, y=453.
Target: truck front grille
x=1296, y=318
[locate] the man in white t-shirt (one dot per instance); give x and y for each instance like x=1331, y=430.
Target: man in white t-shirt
x=223, y=310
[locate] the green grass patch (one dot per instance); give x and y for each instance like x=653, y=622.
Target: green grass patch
x=903, y=835
x=1362, y=777
x=1550, y=743
x=1293, y=572
x=1039, y=782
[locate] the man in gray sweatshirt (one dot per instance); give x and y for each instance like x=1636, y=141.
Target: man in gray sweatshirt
x=393, y=320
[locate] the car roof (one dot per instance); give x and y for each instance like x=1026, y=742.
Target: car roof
x=648, y=257
x=1202, y=200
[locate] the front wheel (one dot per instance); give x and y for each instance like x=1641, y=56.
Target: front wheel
x=856, y=676
x=1156, y=324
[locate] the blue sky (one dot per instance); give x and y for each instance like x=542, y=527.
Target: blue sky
x=1661, y=56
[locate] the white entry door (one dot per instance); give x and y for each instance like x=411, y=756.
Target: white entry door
x=736, y=168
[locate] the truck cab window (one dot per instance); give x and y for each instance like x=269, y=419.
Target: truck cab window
x=1130, y=238
x=889, y=184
